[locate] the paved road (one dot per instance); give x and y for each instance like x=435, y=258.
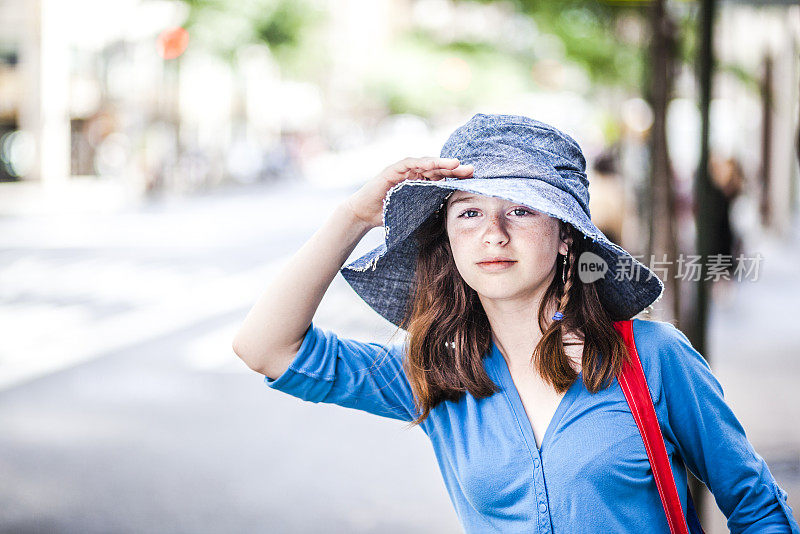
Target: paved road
x=123, y=408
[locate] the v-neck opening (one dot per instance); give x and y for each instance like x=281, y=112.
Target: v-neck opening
x=507, y=383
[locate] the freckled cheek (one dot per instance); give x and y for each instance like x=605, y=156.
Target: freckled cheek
x=458, y=244
x=459, y=233
x=537, y=236
x=460, y=237
x=536, y=239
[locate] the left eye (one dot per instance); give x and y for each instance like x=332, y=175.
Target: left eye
x=523, y=210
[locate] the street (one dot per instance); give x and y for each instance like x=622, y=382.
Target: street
x=124, y=409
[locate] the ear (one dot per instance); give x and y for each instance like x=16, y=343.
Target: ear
x=565, y=240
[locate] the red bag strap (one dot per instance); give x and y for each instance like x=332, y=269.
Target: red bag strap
x=634, y=385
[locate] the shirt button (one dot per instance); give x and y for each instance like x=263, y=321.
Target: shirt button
x=543, y=507
x=536, y=462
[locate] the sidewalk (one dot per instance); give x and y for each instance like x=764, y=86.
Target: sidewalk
x=754, y=350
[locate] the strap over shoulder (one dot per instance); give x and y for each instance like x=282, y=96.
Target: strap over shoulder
x=634, y=385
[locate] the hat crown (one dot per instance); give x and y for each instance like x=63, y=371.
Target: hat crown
x=503, y=146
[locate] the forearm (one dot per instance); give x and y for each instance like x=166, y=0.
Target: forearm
x=273, y=330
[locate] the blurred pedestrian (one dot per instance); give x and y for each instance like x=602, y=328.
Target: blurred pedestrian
x=607, y=196
x=728, y=179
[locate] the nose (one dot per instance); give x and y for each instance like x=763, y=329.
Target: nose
x=495, y=232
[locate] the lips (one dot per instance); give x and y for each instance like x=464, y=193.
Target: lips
x=496, y=259
x=496, y=265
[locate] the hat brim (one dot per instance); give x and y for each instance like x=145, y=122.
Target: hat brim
x=384, y=276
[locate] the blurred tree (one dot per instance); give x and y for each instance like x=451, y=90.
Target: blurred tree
x=445, y=74
x=605, y=38
x=662, y=239
x=285, y=26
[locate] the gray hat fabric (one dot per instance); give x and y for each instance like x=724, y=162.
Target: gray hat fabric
x=518, y=159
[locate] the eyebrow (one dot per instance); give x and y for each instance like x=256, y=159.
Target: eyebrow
x=462, y=199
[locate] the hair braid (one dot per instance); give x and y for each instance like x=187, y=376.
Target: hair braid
x=550, y=357
x=569, y=264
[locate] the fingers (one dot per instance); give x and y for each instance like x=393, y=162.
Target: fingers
x=424, y=164
x=445, y=163
x=437, y=168
x=462, y=171
x=428, y=168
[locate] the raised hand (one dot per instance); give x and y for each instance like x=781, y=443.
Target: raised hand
x=367, y=203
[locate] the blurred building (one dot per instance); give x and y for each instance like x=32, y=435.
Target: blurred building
x=88, y=90
x=757, y=107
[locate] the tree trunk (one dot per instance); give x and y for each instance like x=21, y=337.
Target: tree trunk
x=662, y=242
x=766, y=141
x=707, y=203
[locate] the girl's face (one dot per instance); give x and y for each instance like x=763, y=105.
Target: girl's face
x=481, y=228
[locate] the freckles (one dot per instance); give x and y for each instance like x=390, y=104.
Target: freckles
x=545, y=232
x=537, y=234
x=456, y=231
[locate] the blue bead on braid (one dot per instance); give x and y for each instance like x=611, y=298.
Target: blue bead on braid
x=558, y=316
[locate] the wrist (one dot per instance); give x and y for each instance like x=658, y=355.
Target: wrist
x=346, y=213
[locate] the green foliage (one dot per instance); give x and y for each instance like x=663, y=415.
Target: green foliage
x=588, y=30
x=444, y=75
x=608, y=40
x=747, y=78
x=223, y=26
x=591, y=43
x=687, y=29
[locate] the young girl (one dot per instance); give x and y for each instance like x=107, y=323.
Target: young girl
x=509, y=294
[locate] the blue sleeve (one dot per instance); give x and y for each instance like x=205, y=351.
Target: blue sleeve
x=350, y=373
x=712, y=442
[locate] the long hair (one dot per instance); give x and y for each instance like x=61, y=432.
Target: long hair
x=449, y=332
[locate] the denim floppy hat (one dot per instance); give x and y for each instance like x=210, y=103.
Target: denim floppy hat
x=514, y=158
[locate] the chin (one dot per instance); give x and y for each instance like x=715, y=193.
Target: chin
x=498, y=290
x=508, y=288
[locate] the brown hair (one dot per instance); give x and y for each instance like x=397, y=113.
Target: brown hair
x=449, y=332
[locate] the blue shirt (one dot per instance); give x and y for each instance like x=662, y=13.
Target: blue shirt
x=591, y=472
